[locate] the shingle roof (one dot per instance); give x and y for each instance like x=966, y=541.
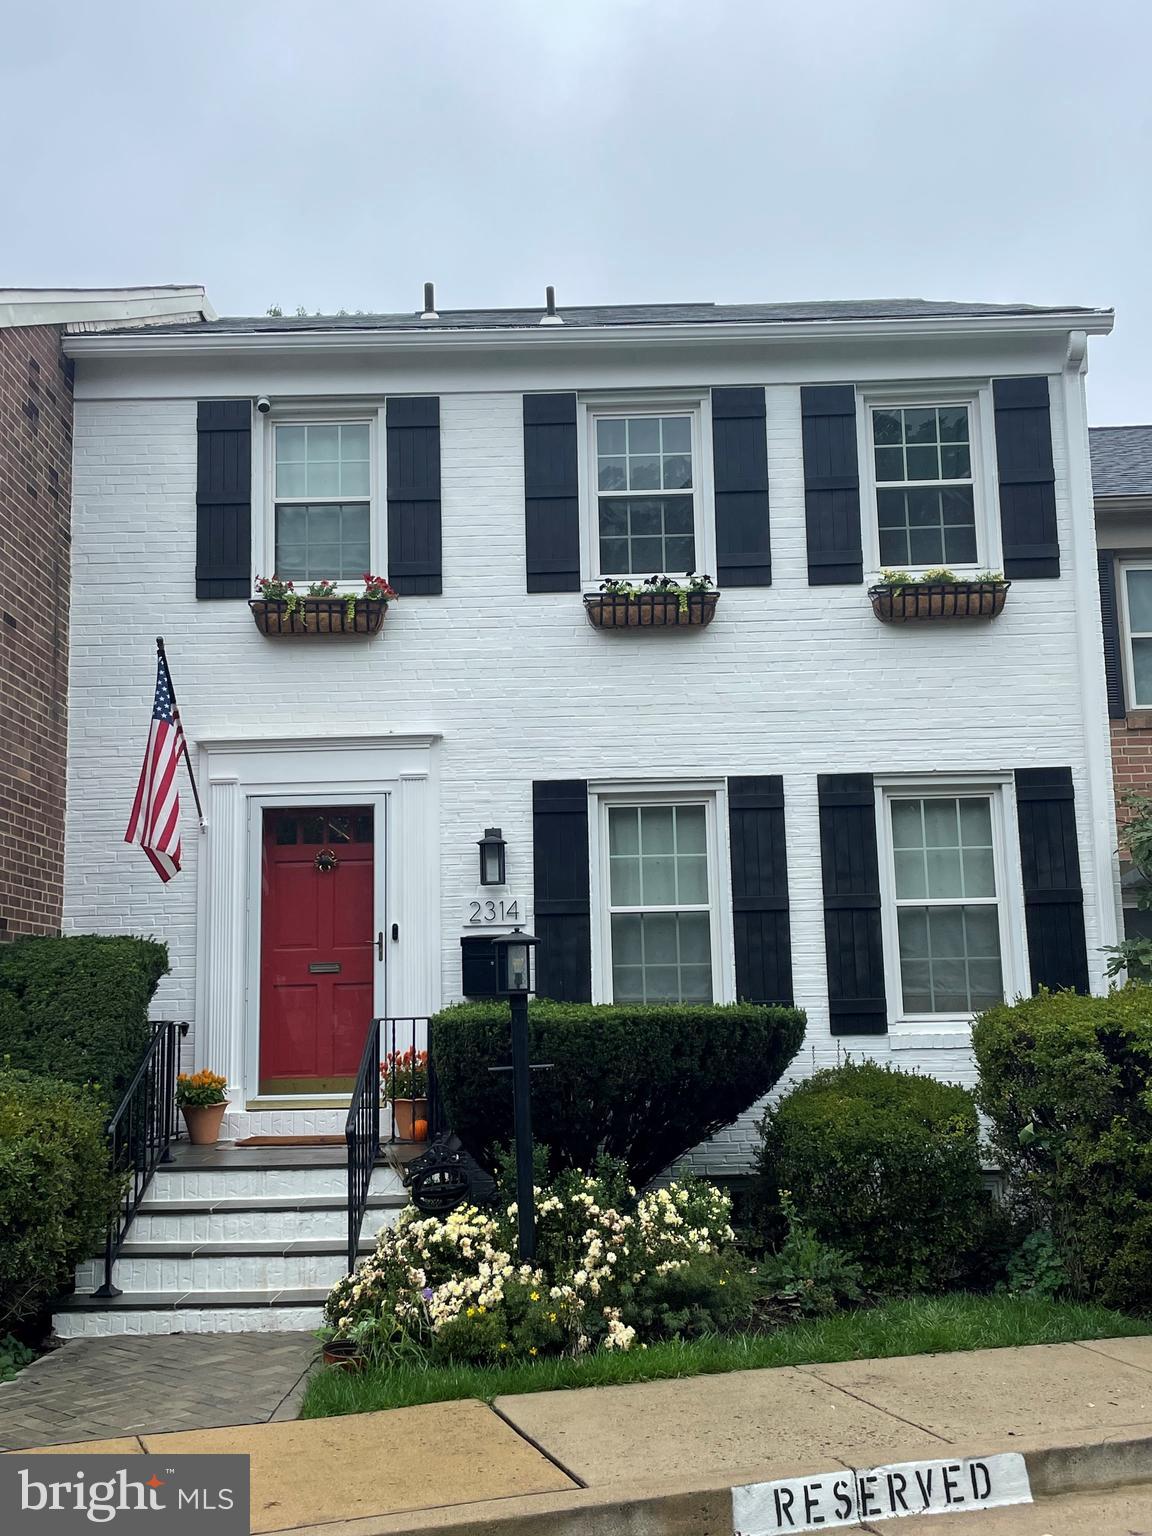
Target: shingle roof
x=621, y=314
x=1121, y=460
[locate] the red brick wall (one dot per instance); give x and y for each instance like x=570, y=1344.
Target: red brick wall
x=35, y=491
x=1132, y=757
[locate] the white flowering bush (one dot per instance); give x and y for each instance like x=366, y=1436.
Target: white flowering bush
x=612, y=1271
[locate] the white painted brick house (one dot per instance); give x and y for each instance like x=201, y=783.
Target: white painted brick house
x=960, y=770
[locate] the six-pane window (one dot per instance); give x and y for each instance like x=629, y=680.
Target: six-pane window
x=947, y=914
x=924, y=493
x=1138, y=591
x=661, y=933
x=645, y=488
x=323, y=500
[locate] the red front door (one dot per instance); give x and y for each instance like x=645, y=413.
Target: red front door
x=317, y=944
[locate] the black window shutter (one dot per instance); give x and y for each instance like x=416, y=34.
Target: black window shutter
x=1050, y=873
x=853, y=938
x=560, y=890
x=413, y=432
x=740, y=488
x=760, y=924
x=551, y=493
x=1027, y=481
x=831, y=484
x=1110, y=619
x=223, y=498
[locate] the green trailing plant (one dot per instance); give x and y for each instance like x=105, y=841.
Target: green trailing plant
x=1135, y=955
x=639, y=1083
x=77, y=1008
x=938, y=576
x=57, y=1193
x=273, y=589
x=1066, y=1083
x=14, y=1356
x=660, y=586
x=884, y=1165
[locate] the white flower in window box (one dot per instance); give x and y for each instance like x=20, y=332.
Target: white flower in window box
x=659, y=602
x=938, y=594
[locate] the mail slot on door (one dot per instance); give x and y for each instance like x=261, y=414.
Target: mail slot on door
x=324, y=967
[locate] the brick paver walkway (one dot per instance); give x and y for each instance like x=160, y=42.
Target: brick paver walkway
x=95, y=1389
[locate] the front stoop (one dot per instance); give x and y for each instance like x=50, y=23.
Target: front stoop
x=232, y=1240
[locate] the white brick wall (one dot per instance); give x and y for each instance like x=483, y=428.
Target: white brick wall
x=790, y=679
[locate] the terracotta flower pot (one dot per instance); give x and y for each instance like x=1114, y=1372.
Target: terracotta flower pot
x=203, y=1122
x=344, y=1354
x=405, y=1113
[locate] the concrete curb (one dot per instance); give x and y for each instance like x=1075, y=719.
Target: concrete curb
x=1121, y=1457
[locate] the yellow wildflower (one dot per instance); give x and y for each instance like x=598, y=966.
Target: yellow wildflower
x=532, y=1349
x=535, y=1295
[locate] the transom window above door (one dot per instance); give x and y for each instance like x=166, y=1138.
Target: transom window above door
x=645, y=492
x=925, y=487
x=946, y=903
x=322, y=474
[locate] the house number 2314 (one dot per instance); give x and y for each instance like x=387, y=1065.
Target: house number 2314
x=494, y=911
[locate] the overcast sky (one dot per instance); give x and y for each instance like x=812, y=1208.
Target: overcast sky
x=338, y=152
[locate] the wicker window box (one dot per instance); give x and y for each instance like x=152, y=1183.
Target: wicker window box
x=939, y=600
x=650, y=610
x=318, y=616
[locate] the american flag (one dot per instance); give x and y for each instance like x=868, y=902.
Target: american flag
x=155, y=819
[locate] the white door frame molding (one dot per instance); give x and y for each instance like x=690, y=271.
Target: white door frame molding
x=395, y=773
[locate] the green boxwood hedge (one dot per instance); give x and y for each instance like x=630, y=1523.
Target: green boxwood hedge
x=57, y=1193
x=77, y=1008
x=643, y=1084
x=885, y=1165
x=1066, y=1082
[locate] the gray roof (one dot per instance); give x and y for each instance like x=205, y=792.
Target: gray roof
x=620, y=314
x=1121, y=460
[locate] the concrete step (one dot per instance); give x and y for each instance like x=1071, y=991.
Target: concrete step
x=255, y=1180
x=221, y=1268
x=286, y=1218
x=284, y=1311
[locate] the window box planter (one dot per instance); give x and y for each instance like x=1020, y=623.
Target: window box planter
x=318, y=616
x=650, y=610
x=938, y=600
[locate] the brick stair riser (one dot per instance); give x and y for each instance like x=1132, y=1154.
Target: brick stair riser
x=253, y=1226
x=252, y=1184
x=102, y=1325
x=219, y=1272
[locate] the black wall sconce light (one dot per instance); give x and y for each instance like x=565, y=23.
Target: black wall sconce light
x=492, y=857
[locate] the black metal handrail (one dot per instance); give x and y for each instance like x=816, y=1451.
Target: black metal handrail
x=362, y=1133
x=140, y=1134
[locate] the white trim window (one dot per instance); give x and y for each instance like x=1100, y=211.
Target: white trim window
x=322, y=499
x=1137, y=610
x=645, y=489
x=928, y=461
x=661, y=930
x=949, y=904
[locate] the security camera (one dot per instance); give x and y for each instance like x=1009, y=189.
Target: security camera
x=263, y=405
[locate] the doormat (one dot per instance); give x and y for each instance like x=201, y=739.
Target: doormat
x=291, y=1141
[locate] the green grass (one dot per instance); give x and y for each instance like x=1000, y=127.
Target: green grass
x=938, y=1325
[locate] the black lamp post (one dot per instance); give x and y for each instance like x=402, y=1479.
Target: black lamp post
x=492, y=857
x=514, y=981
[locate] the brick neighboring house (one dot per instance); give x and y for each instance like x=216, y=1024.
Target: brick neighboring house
x=1122, y=491
x=35, y=558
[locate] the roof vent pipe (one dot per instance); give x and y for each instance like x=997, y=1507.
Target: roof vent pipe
x=429, y=303
x=550, y=317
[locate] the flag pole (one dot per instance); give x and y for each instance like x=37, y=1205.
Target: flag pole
x=163, y=656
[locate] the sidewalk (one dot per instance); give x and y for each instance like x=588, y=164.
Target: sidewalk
x=660, y=1459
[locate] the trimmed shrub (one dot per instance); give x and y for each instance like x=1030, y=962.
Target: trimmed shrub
x=56, y=1191
x=1066, y=1081
x=642, y=1084
x=884, y=1165
x=77, y=1008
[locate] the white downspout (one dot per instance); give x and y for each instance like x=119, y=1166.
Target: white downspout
x=1090, y=658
